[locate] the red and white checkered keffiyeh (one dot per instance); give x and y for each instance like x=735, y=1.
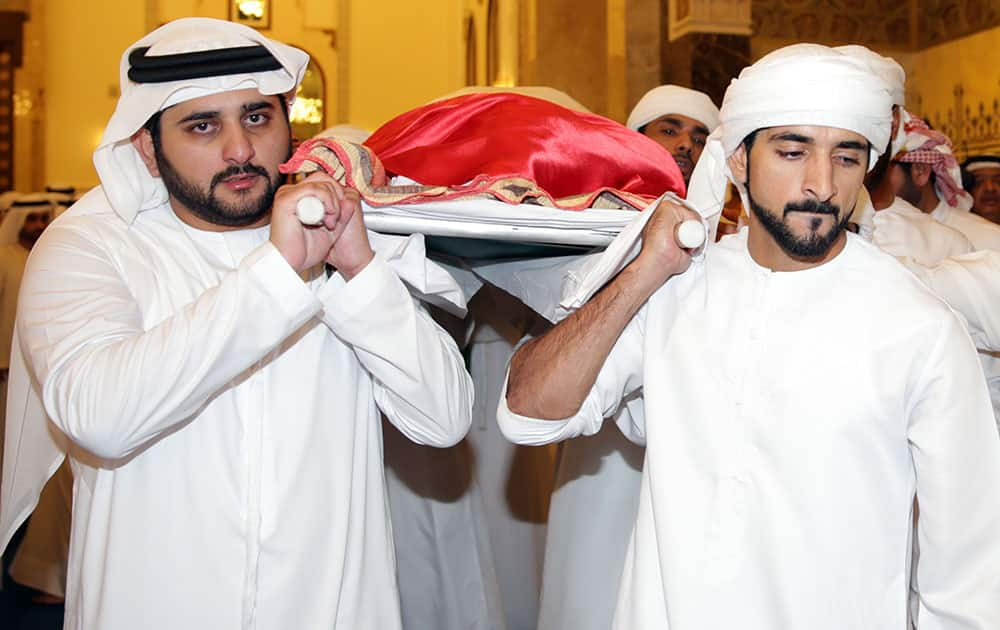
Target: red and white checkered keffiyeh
x=924, y=145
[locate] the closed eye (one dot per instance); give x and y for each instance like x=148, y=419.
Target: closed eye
x=847, y=160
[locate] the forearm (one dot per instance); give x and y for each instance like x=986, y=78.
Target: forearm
x=551, y=375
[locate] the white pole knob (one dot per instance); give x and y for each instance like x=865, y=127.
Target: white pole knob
x=310, y=210
x=690, y=234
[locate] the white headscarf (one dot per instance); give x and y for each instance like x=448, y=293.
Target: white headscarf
x=673, y=99
x=803, y=84
x=886, y=68
x=889, y=70
x=124, y=177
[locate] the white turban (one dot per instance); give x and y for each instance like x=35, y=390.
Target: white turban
x=673, y=99
x=124, y=177
x=803, y=84
x=886, y=68
x=889, y=70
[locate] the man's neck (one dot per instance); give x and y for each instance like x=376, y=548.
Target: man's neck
x=766, y=252
x=928, y=200
x=184, y=214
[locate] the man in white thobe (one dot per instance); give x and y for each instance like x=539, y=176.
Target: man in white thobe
x=926, y=174
x=981, y=176
x=597, y=482
x=218, y=390
x=784, y=453
x=40, y=561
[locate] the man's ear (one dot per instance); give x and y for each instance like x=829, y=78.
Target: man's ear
x=738, y=163
x=921, y=173
x=142, y=140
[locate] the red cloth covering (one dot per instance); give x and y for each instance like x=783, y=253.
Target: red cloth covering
x=476, y=139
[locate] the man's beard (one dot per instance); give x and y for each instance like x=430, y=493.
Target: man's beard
x=880, y=171
x=812, y=245
x=204, y=204
x=910, y=192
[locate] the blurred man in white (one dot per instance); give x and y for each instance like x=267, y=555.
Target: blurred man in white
x=926, y=174
x=219, y=389
x=40, y=562
x=783, y=455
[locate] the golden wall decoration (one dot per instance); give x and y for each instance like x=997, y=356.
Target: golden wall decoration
x=974, y=128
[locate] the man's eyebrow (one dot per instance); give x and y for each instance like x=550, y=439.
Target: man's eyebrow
x=676, y=122
x=257, y=106
x=790, y=136
x=198, y=116
x=852, y=144
x=244, y=109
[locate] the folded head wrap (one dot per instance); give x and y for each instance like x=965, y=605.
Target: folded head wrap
x=978, y=162
x=924, y=145
x=886, y=68
x=183, y=60
x=803, y=84
x=673, y=99
x=889, y=70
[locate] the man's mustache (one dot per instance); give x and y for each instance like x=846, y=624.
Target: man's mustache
x=812, y=206
x=233, y=171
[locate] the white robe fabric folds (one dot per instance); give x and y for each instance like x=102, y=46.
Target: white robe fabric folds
x=225, y=421
x=784, y=453
x=902, y=230
x=982, y=233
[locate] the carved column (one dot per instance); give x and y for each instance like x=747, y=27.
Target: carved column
x=11, y=47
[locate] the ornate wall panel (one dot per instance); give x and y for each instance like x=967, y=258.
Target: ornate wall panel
x=871, y=22
x=10, y=58
x=943, y=20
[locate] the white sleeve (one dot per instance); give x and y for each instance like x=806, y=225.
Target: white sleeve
x=619, y=377
x=970, y=284
x=420, y=379
x=112, y=386
x=956, y=457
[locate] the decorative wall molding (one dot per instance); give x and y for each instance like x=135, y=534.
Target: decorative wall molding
x=973, y=127
x=731, y=17
x=887, y=23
